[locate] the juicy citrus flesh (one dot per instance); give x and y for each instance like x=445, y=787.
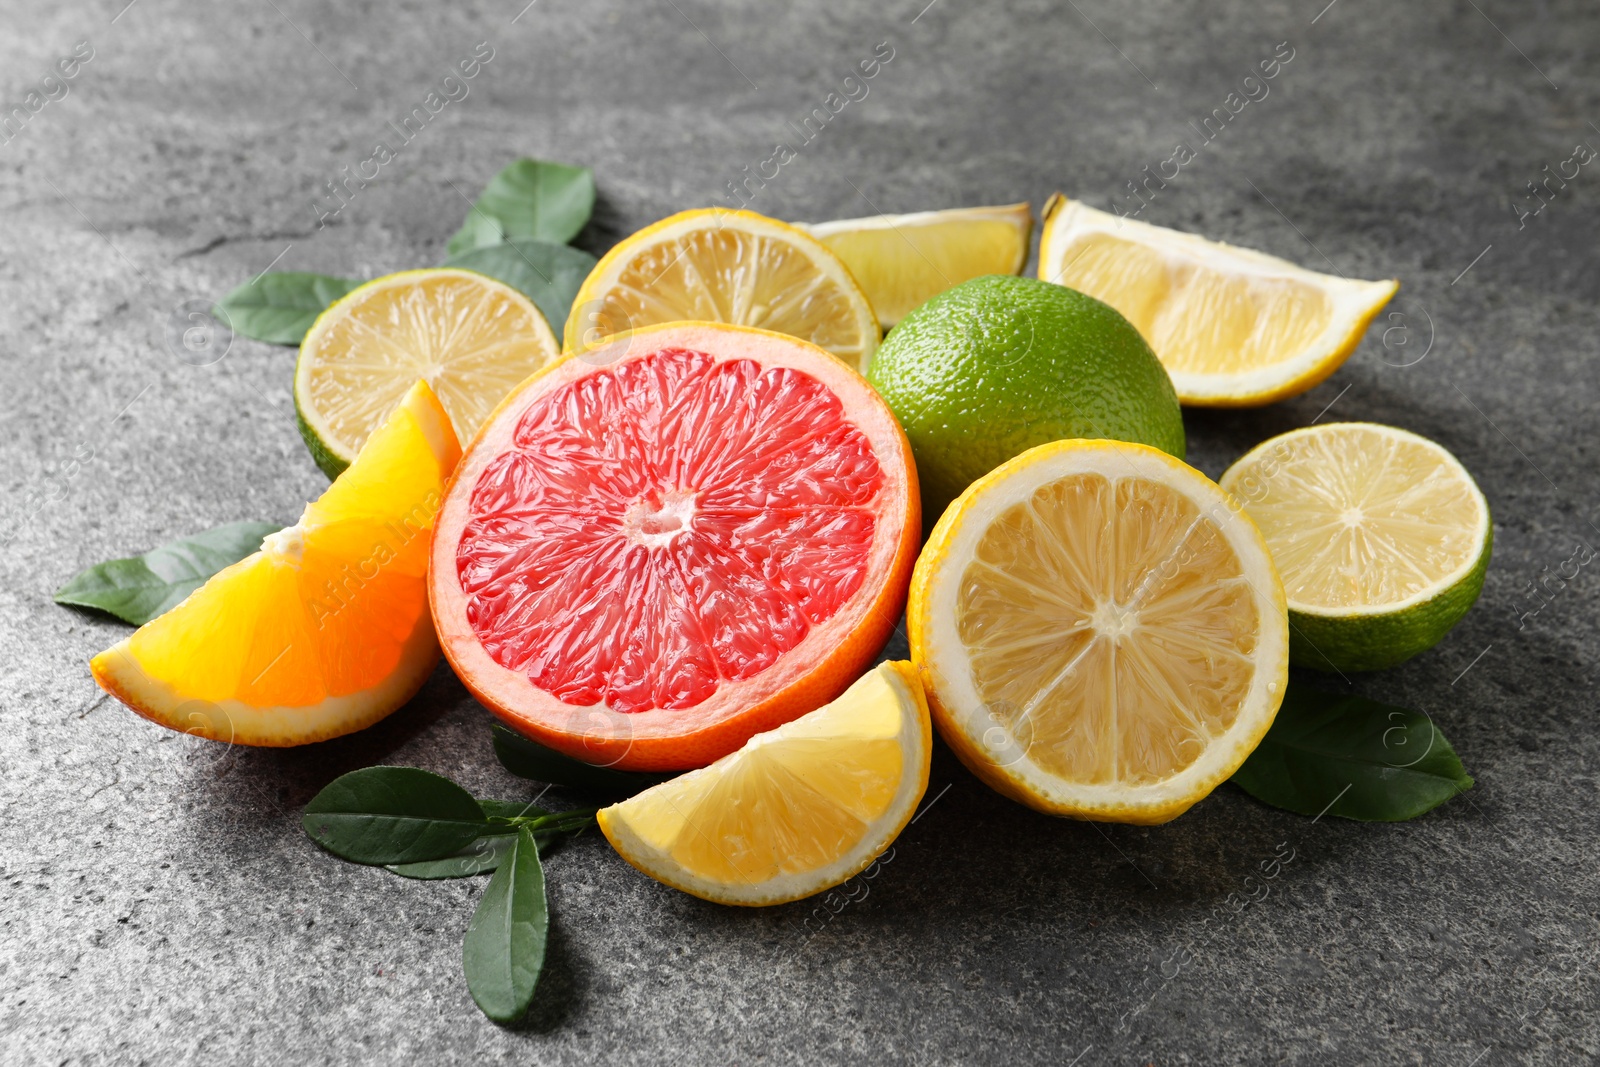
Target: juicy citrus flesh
x=471, y=338
x=903, y=260
x=1106, y=678
x=1232, y=326
x=796, y=810
x=726, y=266
x=662, y=546
x=1106, y=637
x=322, y=631
x=1361, y=517
x=1199, y=319
x=727, y=512
x=1382, y=538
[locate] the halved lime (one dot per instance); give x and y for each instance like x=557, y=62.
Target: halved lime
x=470, y=337
x=1381, y=536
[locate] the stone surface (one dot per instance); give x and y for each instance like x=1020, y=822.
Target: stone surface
x=158, y=902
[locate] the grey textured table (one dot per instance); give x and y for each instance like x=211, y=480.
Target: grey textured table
x=158, y=901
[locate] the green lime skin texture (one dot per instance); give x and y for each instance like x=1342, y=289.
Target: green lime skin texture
x=994, y=366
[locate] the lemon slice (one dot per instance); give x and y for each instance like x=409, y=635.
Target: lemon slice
x=471, y=338
x=1234, y=328
x=1381, y=536
x=795, y=811
x=738, y=267
x=326, y=629
x=903, y=260
x=1100, y=631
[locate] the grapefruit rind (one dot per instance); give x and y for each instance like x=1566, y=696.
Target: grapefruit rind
x=809, y=675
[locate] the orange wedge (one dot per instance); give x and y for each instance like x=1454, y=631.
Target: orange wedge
x=326, y=629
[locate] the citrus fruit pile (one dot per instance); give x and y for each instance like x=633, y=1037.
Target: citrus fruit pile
x=679, y=543
x=802, y=807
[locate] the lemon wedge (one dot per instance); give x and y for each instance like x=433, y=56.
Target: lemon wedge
x=795, y=811
x=1234, y=328
x=903, y=260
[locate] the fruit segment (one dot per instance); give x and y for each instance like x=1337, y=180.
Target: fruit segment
x=326, y=629
x=1234, y=328
x=1200, y=320
x=794, y=811
x=902, y=260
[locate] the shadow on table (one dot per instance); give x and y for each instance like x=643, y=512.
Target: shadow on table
x=249, y=788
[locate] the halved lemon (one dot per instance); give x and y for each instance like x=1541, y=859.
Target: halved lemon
x=471, y=338
x=795, y=811
x=712, y=265
x=1100, y=631
x=1381, y=536
x=326, y=629
x=903, y=260
x=1234, y=328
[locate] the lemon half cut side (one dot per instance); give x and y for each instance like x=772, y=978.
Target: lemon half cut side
x=1100, y=631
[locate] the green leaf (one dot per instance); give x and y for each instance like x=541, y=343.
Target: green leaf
x=393, y=815
x=1369, y=761
x=529, y=759
x=484, y=854
x=504, y=949
x=528, y=201
x=548, y=274
x=280, y=306
x=138, y=589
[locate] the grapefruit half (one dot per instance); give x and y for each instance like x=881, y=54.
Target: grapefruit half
x=685, y=536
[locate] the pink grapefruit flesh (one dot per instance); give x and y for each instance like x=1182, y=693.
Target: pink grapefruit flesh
x=672, y=542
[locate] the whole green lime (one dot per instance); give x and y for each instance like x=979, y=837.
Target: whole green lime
x=994, y=366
